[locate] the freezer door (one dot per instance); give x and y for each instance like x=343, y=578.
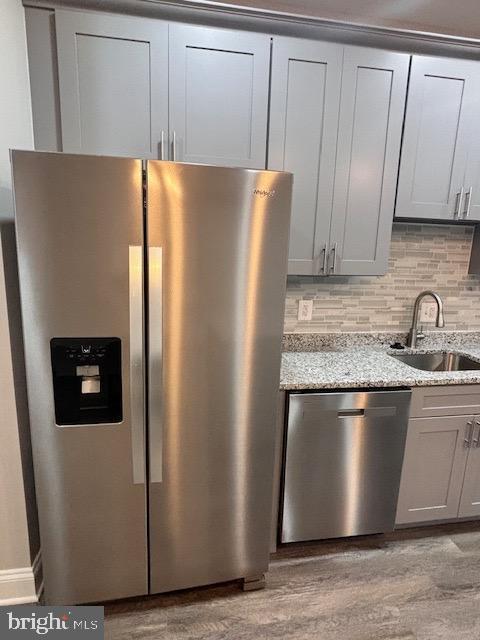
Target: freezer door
x=79, y=226
x=217, y=244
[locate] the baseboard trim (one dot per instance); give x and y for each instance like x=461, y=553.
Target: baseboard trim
x=17, y=586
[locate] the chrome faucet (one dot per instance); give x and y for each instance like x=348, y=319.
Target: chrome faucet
x=414, y=334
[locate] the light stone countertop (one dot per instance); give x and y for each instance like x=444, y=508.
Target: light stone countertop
x=368, y=366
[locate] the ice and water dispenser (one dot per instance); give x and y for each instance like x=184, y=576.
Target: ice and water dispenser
x=87, y=380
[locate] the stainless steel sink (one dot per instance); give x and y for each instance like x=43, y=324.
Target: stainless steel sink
x=440, y=361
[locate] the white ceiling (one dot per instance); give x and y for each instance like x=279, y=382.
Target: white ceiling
x=454, y=17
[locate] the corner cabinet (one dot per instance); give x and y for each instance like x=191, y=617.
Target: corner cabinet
x=441, y=468
x=146, y=88
x=335, y=121
x=440, y=166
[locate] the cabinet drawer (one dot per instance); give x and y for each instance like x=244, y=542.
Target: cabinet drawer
x=445, y=401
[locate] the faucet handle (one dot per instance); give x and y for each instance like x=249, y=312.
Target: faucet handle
x=420, y=334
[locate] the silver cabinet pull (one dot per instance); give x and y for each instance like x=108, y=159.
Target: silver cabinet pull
x=325, y=258
x=155, y=363
x=137, y=415
x=162, y=145
x=476, y=435
x=174, y=146
x=467, y=441
x=333, y=267
x=322, y=267
x=468, y=203
x=458, y=203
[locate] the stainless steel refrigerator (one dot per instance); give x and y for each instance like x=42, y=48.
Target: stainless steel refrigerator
x=152, y=299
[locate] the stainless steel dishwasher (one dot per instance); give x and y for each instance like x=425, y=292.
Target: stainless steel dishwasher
x=343, y=461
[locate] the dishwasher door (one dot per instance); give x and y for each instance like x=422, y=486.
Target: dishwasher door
x=344, y=455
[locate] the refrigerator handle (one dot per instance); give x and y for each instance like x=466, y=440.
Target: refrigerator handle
x=155, y=364
x=137, y=401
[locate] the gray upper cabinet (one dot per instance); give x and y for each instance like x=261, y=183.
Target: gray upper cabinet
x=471, y=190
x=439, y=174
x=335, y=122
x=42, y=64
x=146, y=88
x=374, y=86
x=219, y=96
x=305, y=98
x=113, y=83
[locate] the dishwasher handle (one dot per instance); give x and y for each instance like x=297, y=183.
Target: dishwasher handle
x=349, y=413
x=367, y=412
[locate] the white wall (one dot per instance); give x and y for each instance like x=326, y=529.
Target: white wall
x=15, y=131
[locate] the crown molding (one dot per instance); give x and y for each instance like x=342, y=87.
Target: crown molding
x=277, y=22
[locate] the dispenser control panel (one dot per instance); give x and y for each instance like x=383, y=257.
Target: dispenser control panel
x=87, y=380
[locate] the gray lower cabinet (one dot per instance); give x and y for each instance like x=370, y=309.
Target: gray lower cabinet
x=218, y=84
x=335, y=121
x=433, y=469
x=441, y=467
x=113, y=83
x=440, y=166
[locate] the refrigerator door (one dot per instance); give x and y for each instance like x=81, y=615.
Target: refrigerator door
x=79, y=223
x=217, y=245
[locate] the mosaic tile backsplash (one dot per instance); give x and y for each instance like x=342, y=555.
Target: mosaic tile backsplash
x=423, y=256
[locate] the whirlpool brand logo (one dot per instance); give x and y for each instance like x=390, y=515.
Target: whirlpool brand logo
x=26, y=622
x=264, y=193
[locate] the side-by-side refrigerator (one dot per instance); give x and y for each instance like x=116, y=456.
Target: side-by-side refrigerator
x=153, y=299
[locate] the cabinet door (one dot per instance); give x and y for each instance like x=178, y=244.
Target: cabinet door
x=470, y=209
x=219, y=96
x=372, y=106
x=305, y=95
x=433, y=468
x=470, y=500
x=113, y=78
x=437, y=130
x=471, y=202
